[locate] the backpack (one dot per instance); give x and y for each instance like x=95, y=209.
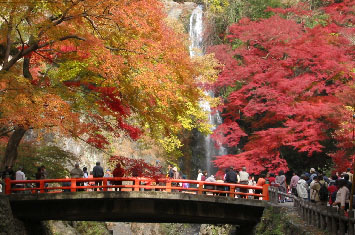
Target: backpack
x=323, y=192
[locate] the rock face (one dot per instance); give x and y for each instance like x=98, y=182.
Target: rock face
x=170, y=229
x=7, y=223
x=179, y=10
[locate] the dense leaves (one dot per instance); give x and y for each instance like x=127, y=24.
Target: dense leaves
x=56, y=161
x=92, y=67
x=137, y=167
x=281, y=82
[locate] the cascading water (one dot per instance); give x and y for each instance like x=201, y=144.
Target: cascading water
x=196, y=48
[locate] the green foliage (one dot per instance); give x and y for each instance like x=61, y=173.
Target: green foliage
x=256, y=9
x=91, y=228
x=237, y=43
x=53, y=158
x=222, y=14
x=271, y=223
x=226, y=91
x=217, y=6
x=316, y=19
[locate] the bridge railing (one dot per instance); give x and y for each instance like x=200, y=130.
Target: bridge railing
x=325, y=217
x=133, y=184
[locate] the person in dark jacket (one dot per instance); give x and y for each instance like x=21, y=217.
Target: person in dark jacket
x=98, y=172
x=348, y=183
x=170, y=172
x=118, y=172
x=231, y=176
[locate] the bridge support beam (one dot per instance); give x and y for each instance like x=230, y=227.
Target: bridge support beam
x=155, y=207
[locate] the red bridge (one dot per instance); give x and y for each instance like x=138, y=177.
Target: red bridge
x=139, y=200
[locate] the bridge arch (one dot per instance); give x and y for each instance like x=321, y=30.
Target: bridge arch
x=150, y=206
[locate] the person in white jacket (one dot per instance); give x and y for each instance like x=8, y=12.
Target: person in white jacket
x=199, y=176
x=302, y=188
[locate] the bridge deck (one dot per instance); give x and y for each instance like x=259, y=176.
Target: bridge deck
x=150, y=206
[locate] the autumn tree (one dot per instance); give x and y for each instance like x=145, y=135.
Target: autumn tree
x=280, y=84
x=88, y=67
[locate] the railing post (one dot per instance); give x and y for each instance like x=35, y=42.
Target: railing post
x=231, y=191
x=136, y=185
x=200, y=188
x=318, y=216
x=104, y=185
x=350, y=223
x=7, y=186
x=334, y=220
x=266, y=192
x=329, y=219
x=73, y=185
x=168, y=186
x=41, y=186
x=322, y=219
x=341, y=222
x=309, y=213
x=304, y=211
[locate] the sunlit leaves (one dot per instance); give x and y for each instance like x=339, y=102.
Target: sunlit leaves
x=99, y=66
x=280, y=84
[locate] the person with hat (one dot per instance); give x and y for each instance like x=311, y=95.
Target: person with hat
x=313, y=173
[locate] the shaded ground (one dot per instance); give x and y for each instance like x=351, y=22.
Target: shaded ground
x=283, y=219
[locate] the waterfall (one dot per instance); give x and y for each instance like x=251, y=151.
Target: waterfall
x=196, y=48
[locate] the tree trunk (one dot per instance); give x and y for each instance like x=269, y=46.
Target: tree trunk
x=11, y=148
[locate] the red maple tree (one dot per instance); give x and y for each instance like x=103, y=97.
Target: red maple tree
x=280, y=82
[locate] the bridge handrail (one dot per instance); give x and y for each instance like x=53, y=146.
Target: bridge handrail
x=138, y=183
x=325, y=217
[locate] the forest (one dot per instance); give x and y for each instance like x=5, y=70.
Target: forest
x=97, y=71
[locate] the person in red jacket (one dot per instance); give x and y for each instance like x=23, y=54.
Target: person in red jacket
x=271, y=178
x=332, y=188
x=118, y=172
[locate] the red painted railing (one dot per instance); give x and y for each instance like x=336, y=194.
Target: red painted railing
x=131, y=184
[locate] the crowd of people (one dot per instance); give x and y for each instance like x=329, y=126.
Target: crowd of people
x=76, y=172
x=313, y=186
x=318, y=188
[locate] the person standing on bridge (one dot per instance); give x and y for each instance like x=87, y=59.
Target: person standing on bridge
x=302, y=187
x=281, y=181
x=199, y=175
x=261, y=181
x=170, y=172
x=98, y=172
x=231, y=177
x=244, y=179
x=77, y=173
x=20, y=176
x=350, y=175
x=343, y=195
x=118, y=172
x=86, y=175
x=293, y=183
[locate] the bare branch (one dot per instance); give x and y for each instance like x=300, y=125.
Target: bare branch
x=8, y=38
